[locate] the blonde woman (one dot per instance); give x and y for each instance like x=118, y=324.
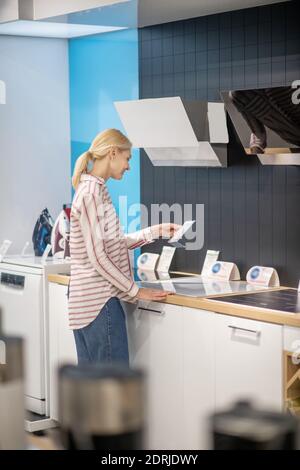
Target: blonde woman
x=100, y=269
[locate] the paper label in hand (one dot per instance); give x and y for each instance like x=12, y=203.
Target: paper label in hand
x=181, y=231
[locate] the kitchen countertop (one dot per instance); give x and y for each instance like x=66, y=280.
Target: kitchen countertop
x=217, y=306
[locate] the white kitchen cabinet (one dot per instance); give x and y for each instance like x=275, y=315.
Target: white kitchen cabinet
x=248, y=362
x=198, y=362
x=198, y=377
x=155, y=334
x=62, y=348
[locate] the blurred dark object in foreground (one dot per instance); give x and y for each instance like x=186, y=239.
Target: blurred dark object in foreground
x=101, y=407
x=12, y=415
x=246, y=428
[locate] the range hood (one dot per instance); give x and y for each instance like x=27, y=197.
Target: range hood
x=176, y=132
x=274, y=121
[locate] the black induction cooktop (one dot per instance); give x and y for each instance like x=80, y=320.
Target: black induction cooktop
x=285, y=300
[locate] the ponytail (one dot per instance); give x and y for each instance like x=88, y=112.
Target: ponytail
x=80, y=167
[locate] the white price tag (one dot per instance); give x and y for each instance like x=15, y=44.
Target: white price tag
x=210, y=258
x=263, y=276
x=24, y=249
x=165, y=259
x=4, y=249
x=224, y=271
x=46, y=253
x=147, y=261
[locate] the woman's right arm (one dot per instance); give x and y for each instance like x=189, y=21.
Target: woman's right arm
x=92, y=228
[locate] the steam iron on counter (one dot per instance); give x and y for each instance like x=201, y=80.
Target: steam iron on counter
x=60, y=237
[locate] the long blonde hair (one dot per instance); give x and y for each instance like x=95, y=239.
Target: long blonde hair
x=99, y=149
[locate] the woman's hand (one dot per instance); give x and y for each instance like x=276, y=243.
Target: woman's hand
x=152, y=294
x=166, y=230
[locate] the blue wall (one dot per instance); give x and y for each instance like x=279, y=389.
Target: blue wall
x=104, y=69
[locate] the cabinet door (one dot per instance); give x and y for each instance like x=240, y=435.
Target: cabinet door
x=138, y=329
x=155, y=334
x=199, y=376
x=23, y=316
x=62, y=348
x=248, y=362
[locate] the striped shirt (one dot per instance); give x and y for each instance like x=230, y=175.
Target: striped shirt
x=100, y=266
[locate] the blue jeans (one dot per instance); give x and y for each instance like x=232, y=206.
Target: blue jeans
x=104, y=340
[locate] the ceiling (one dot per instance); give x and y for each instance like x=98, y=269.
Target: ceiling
x=164, y=11
x=73, y=18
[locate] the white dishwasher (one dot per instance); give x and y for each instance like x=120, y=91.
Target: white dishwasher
x=24, y=304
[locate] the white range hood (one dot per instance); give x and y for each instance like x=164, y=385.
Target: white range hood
x=176, y=132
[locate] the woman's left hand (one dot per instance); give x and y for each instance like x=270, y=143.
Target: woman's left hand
x=166, y=230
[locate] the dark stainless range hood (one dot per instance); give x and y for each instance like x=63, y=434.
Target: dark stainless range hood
x=176, y=132
x=267, y=122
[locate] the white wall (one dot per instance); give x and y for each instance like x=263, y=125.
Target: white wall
x=9, y=10
x=34, y=134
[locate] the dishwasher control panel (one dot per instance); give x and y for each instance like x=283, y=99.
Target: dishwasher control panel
x=12, y=280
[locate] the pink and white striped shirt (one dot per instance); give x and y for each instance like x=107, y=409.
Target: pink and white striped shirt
x=100, y=266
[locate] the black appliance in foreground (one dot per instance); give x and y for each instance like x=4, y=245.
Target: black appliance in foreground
x=246, y=428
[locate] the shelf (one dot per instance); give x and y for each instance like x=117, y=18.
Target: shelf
x=280, y=159
x=291, y=384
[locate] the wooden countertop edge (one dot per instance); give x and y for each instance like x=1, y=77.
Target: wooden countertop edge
x=62, y=279
x=201, y=303
x=41, y=442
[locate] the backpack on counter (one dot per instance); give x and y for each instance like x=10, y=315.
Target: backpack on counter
x=41, y=236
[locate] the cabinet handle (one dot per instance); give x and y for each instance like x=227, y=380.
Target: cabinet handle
x=157, y=312
x=256, y=332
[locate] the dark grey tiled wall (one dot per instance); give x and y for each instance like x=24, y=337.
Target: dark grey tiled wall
x=252, y=213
